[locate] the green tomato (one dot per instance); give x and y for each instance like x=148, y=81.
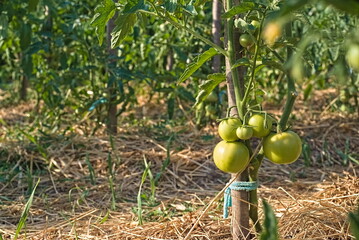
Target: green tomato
x=231, y=157
x=244, y=133
x=212, y=97
x=255, y=23
x=282, y=148
x=245, y=40
x=353, y=56
x=227, y=129
x=261, y=125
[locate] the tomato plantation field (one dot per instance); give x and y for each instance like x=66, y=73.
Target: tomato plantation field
x=310, y=198
x=179, y=119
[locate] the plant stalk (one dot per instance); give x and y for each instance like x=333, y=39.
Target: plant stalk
x=238, y=89
x=291, y=91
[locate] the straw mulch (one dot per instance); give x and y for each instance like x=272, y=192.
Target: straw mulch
x=311, y=202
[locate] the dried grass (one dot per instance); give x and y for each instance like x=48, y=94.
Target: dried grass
x=310, y=202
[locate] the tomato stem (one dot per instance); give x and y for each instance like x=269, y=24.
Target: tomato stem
x=249, y=86
x=238, y=89
x=291, y=91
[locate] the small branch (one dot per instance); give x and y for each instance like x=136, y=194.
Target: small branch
x=180, y=26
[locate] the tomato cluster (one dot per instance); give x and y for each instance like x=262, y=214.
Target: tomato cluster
x=231, y=155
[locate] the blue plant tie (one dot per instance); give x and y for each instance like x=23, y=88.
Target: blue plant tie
x=236, y=186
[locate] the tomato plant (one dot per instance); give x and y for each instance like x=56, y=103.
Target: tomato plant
x=282, y=148
x=231, y=157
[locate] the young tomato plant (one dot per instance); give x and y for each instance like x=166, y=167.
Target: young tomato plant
x=246, y=53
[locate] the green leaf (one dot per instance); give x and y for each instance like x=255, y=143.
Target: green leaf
x=170, y=106
x=25, y=212
x=307, y=91
x=33, y=5
x=349, y=6
x=241, y=62
x=290, y=6
x=274, y=64
x=25, y=36
x=241, y=8
x=270, y=229
x=171, y=5
x=208, y=86
x=191, y=9
x=27, y=65
x=133, y=6
x=198, y=62
x=104, y=12
x=354, y=223
x=124, y=24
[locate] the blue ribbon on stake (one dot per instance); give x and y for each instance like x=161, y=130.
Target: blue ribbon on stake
x=236, y=186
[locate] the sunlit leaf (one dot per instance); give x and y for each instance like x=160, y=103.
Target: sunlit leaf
x=104, y=12
x=241, y=8
x=198, y=62
x=208, y=86
x=124, y=24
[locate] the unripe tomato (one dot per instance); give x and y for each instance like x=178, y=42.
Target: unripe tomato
x=231, y=157
x=244, y=133
x=282, y=148
x=255, y=23
x=227, y=129
x=261, y=125
x=245, y=40
x=212, y=97
x=272, y=32
x=353, y=56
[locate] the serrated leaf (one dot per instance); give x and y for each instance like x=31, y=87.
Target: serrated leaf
x=104, y=12
x=124, y=24
x=270, y=229
x=33, y=5
x=241, y=8
x=198, y=62
x=133, y=6
x=208, y=86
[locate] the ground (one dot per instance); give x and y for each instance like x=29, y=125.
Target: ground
x=311, y=198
